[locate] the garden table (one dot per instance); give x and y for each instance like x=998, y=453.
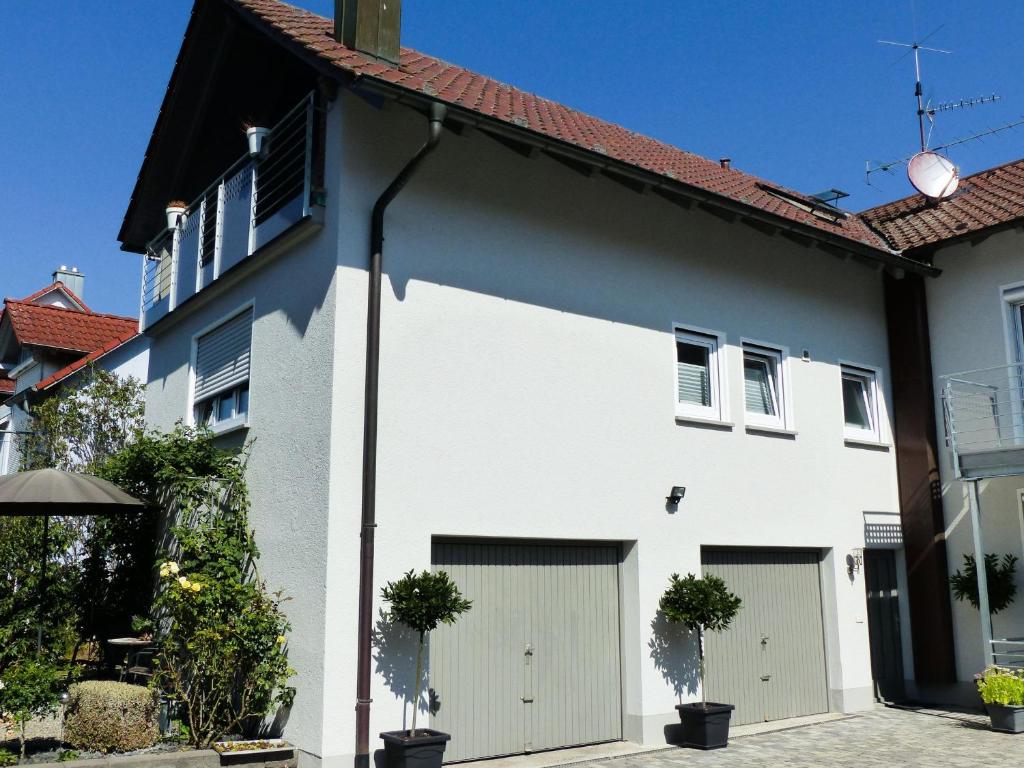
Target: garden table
x=132, y=646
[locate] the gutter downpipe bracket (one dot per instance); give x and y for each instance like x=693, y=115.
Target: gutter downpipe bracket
x=368, y=525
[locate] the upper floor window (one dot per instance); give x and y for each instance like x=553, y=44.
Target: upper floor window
x=221, y=394
x=860, y=403
x=699, y=375
x=765, y=386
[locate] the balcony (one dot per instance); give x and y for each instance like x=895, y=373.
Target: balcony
x=984, y=413
x=254, y=203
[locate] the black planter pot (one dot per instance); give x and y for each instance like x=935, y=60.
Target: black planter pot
x=1006, y=719
x=705, y=726
x=424, y=750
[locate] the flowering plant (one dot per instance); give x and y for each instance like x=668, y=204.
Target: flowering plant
x=998, y=685
x=223, y=635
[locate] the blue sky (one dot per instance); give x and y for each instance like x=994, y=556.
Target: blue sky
x=797, y=92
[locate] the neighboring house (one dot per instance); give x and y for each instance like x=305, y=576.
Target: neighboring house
x=47, y=341
x=973, y=323
x=575, y=319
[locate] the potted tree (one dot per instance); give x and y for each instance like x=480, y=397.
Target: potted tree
x=1002, y=690
x=421, y=602
x=701, y=605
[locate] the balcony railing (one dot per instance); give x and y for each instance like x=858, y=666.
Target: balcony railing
x=251, y=204
x=984, y=414
x=1008, y=652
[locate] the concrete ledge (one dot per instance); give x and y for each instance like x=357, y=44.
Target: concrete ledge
x=189, y=758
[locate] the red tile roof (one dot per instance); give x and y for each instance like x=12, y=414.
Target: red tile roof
x=66, y=329
x=476, y=93
x=6, y=384
x=58, y=285
x=81, y=362
x=987, y=199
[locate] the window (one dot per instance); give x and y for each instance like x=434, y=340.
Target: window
x=860, y=404
x=765, y=396
x=699, y=375
x=221, y=396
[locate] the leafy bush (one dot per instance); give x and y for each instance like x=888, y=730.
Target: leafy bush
x=700, y=604
x=1000, y=573
x=106, y=716
x=223, y=634
x=421, y=603
x=1001, y=686
x=7, y=758
x=30, y=687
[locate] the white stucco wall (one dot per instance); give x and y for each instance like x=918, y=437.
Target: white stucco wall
x=968, y=331
x=527, y=390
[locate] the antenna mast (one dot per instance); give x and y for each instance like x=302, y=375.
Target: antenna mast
x=916, y=48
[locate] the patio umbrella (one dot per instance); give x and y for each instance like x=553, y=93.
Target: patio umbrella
x=50, y=492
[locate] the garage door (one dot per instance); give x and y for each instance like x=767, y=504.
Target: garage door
x=535, y=664
x=771, y=662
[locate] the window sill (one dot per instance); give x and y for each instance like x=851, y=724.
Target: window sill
x=861, y=442
x=684, y=418
x=770, y=430
x=227, y=427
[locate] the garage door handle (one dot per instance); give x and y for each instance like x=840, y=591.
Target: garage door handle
x=527, y=699
x=765, y=678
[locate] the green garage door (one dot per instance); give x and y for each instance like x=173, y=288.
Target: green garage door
x=771, y=662
x=535, y=664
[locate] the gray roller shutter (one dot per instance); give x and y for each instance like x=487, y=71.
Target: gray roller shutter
x=222, y=356
x=771, y=662
x=535, y=664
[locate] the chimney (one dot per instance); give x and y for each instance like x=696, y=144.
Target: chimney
x=726, y=163
x=73, y=280
x=370, y=26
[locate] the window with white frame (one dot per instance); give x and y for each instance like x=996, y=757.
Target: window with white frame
x=221, y=395
x=6, y=438
x=765, y=398
x=699, y=375
x=860, y=403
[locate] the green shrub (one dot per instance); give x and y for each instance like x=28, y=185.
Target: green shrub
x=1001, y=686
x=7, y=758
x=105, y=716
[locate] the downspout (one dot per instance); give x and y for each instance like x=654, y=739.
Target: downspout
x=369, y=513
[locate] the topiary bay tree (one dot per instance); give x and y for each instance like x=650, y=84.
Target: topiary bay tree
x=422, y=602
x=701, y=605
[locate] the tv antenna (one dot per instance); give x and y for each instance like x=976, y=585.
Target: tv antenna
x=931, y=173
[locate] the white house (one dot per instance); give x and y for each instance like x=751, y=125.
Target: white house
x=974, y=331
x=602, y=360
x=47, y=342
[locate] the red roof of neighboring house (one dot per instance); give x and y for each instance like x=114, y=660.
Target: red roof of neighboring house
x=467, y=90
x=66, y=329
x=987, y=199
x=6, y=385
x=58, y=285
x=79, y=364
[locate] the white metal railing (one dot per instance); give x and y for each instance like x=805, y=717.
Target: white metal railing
x=1008, y=652
x=248, y=206
x=984, y=415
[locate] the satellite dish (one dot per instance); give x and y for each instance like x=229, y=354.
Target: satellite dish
x=933, y=175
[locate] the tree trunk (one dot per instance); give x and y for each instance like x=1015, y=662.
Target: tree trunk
x=700, y=652
x=416, y=686
x=21, y=738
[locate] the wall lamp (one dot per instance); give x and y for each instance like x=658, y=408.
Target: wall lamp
x=676, y=494
x=854, y=561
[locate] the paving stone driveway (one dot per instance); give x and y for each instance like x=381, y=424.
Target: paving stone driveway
x=884, y=737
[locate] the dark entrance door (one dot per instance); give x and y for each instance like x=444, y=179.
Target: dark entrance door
x=884, y=623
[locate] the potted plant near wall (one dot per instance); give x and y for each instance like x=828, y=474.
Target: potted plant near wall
x=1002, y=690
x=421, y=602
x=175, y=210
x=701, y=605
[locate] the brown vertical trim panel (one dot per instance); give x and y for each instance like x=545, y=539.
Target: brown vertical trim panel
x=914, y=430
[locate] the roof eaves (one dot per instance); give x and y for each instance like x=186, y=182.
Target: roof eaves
x=882, y=253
